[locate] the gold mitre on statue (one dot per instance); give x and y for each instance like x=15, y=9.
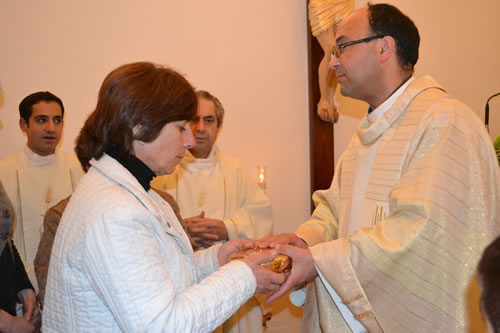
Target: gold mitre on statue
x=280, y=264
x=324, y=14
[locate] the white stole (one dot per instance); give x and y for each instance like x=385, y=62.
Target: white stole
x=39, y=189
x=362, y=211
x=196, y=193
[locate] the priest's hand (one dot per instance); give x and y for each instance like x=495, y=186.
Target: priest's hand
x=30, y=307
x=291, y=239
x=303, y=269
x=193, y=219
x=206, y=231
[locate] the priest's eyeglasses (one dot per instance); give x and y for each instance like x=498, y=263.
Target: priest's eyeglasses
x=338, y=49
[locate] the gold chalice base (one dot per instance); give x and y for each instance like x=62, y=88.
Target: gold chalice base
x=280, y=264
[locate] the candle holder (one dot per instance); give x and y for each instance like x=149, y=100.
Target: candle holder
x=262, y=177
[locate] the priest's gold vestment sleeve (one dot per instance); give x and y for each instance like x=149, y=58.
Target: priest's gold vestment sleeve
x=436, y=171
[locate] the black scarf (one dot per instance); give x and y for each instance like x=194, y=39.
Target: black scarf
x=137, y=168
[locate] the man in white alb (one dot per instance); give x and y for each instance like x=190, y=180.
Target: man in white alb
x=217, y=198
x=394, y=243
x=38, y=176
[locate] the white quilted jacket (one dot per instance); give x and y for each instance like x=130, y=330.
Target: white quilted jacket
x=122, y=262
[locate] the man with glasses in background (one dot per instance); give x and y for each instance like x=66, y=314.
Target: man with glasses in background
x=394, y=243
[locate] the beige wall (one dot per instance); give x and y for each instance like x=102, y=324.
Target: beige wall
x=250, y=54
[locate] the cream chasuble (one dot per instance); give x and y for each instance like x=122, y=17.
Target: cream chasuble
x=219, y=184
x=37, y=193
x=201, y=187
x=35, y=183
x=201, y=193
x=361, y=211
x=429, y=208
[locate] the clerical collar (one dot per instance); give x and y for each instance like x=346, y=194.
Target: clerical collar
x=202, y=166
x=386, y=105
x=137, y=168
x=392, y=93
x=38, y=161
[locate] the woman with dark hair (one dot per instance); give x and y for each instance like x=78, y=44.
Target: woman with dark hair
x=121, y=261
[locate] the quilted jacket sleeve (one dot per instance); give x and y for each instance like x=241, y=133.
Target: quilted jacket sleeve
x=133, y=276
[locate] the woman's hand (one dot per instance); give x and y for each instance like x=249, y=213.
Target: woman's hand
x=235, y=245
x=267, y=280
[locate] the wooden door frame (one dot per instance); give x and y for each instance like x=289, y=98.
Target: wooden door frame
x=320, y=132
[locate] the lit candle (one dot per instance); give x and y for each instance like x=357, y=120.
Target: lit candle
x=261, y=176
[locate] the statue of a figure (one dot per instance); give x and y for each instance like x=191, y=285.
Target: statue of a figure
x=324, y=15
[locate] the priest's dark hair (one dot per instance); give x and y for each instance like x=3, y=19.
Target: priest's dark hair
x=489, y=282
x=219, y=109
x=26, y=105
x=387, y=20
x=135, y=102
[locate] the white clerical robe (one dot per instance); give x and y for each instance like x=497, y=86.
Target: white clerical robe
x=239, y=202
x=221, y=187
x=407, y=263
x=34, y=183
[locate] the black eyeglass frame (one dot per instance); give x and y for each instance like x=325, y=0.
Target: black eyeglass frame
x=338, y=49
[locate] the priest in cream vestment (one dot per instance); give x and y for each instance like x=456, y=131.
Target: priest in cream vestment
x=218, y=200
x=38, y=177
x=393, y=244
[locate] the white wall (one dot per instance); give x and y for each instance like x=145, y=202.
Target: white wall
x=251, y=54
x=459, y=48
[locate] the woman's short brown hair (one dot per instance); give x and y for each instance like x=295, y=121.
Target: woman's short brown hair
x=135, y=102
